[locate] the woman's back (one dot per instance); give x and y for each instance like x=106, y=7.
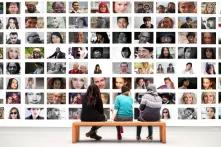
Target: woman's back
x=124, y=106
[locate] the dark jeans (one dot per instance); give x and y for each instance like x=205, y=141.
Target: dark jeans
x=117, y=118
x=150, y=130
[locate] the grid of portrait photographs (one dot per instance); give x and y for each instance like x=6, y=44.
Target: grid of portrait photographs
x=52, y=50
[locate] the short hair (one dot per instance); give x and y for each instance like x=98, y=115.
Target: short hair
x=126, y=18
x=74, y=3
x=191, y=109
x=188, y=18
x=13, y=33
x=190, y=34
x=146, y=19
x=54, y=3
x=27, y=18
x=124, y=63
x=189, y=63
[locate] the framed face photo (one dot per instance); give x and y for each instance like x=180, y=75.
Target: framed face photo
x=100, y=37
x=143, y=68
x=187, y=22
x=78, y=68
x=121, y=52
x=1, y=68
x=188, y=113
x=208, y=83
x=165, y=68
x=56, y=83
x=208, y=68
x=56, y=67
x=34, y=22
x=187, y=37
x=12, y=22
x=187, y=98
x=143, y=37
x=58, y=52
x=78, y=22
x=142, y=82
x=13, y=7
x=34, y=7
x=34, y=98
x=78, y=53
x=165, y=52
x=167, y=98
x=122, y=67
x=34, y=52
x=76, y=98
x=78, y=7
x=117, y=7
x=187, y=68
x=1, y=37
x=122, y=22
x=100, y=68
x=208, y=7
x=13, y=83
x=119, y=82
x=78, y=37
x=34, y=113
x=56, y=7
x=165, y=83
x=56, y=98
x=56, y=113
x=187, y=83
x=56, y=37
x=12, y=38
x=1, y=83
x=208, y=98
x=208, y=37
x=165, y=22
x=187, y=52
x=100, y=7
x=56, y=22
x=208, y=113
x=13, y=97
x=13, y=68
x=34, y=37
x=34, y=68
x=143, y=7
x=13, y=53
x=100, y=52
x=122, y=37
x=78, y=83
x=100, y=22
x=208, y=22
x=75, y=113
x=145, y=22
x=101, y=82
x=165, y=37
x=34, y=83
x=165, y=7
x=143, y=52
x=187, y=7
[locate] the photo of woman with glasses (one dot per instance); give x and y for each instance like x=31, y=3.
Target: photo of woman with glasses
x=14, y=113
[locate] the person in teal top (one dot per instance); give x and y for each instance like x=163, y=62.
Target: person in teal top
x=123, y=109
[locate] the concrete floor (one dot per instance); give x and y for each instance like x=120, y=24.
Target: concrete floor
x=61, y=137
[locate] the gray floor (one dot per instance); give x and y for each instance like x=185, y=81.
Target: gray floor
x=61, y=137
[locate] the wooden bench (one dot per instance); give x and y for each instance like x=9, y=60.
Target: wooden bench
x=76, y=127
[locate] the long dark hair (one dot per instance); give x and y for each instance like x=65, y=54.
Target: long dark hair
x=93, y=95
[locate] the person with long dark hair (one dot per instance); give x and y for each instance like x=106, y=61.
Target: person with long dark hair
x=92, y=109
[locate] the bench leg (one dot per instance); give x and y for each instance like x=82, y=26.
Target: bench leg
x=75, y=134
x=163, y=134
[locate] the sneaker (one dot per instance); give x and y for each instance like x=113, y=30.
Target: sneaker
x=88, y=134
x=138, y=138
x=95, y=136
x=149, y=138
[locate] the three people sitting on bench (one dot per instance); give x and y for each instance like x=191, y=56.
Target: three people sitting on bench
x=92, y=109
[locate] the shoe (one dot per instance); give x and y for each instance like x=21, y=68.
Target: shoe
x=88, y=134
x=149, y=138
x=95, y=136
x=119, y=137
x=138, y=138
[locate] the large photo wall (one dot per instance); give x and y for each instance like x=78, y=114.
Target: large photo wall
x=51, y=50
